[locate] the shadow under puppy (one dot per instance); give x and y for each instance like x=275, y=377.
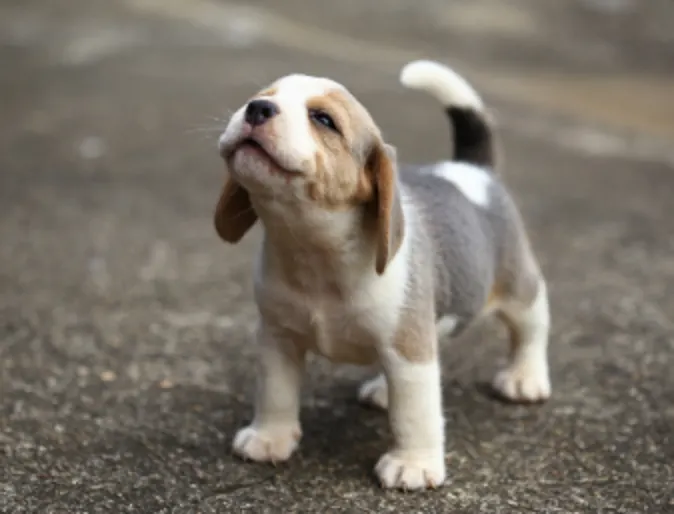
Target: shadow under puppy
x=367, y=261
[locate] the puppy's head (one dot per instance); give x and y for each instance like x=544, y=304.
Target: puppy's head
x=307, y=142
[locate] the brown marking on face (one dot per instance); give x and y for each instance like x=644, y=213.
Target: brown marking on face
x=353, y=167
x=234, y=214
x=339, y=181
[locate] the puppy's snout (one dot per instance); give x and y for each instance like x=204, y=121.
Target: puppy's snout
x=259, y=111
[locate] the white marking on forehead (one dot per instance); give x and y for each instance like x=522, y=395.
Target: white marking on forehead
x=305, y=86
x=472, y=181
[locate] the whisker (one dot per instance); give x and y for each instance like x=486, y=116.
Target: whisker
x=203, y=129
x=258, y=82
x=228, y=113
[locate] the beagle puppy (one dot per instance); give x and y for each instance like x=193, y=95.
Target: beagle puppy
x=368, y=261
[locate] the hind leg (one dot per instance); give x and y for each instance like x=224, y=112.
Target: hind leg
x=526, y=377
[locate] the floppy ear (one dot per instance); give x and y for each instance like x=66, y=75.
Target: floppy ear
x=388, y=212
x=234, y=214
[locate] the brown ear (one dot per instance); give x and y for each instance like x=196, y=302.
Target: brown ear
x=234, y=214
x=390, y=224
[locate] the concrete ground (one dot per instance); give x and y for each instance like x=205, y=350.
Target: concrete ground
x=125, y=325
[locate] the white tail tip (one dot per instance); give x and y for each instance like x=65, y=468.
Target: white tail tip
x=440, y=81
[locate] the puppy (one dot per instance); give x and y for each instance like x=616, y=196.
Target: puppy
x=367, y=261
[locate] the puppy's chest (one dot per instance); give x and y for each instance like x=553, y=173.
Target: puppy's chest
x=342, y=330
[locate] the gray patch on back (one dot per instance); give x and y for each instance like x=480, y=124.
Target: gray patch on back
x=472, y=247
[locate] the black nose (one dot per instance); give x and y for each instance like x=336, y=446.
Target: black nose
x=259, y=111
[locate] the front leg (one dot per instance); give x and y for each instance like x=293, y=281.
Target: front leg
x=417, y=459
x=275, y=431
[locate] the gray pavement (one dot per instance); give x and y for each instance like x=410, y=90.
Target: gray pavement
x=125, y=325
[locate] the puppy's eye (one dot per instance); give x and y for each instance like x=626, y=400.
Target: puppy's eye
x=323, y=118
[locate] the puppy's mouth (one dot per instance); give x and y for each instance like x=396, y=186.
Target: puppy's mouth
x=249, y=142
x=253, y=145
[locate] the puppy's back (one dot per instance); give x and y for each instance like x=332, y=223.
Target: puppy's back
x=479, y=244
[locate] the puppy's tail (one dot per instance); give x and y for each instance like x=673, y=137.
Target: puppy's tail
x=473, y=136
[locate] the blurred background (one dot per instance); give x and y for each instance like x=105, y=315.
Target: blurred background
x=125, y=351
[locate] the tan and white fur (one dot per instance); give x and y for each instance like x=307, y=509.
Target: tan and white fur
x=367, y=261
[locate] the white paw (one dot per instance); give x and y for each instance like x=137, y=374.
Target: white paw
x=267, y=444
x=374, y=392
x=524, y=382
x=411, y=472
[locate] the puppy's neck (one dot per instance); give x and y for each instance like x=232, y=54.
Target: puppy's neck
x=313, y=248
